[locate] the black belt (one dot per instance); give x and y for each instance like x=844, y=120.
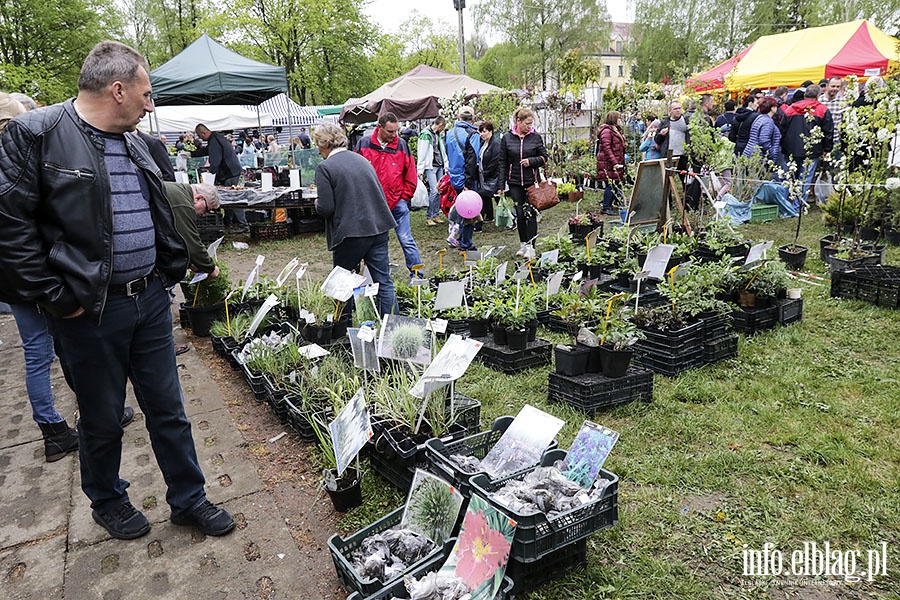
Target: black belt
x=132, y=288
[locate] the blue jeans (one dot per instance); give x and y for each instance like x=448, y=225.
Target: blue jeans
x=132, y=342
x=404, y=234
x=806, y=175
x=374, y=250
x=432, y=176
x=466, y=230
x=612, y=193
x=38, y=346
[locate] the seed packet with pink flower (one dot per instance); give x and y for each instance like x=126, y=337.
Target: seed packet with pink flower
x=481, y=552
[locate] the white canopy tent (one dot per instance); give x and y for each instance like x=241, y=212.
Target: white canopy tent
x=286, y=112
x=216, y=117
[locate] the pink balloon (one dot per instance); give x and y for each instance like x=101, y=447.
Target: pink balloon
x=468, y=204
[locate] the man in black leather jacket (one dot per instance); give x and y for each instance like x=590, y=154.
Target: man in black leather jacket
x=90, y=238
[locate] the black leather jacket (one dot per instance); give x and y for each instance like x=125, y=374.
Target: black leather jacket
x=56, y=214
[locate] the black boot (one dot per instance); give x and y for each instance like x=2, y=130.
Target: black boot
x=59, y=440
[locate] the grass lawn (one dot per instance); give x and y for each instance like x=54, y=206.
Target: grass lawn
x=793, y=441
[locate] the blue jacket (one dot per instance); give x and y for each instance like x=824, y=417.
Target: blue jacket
x=651, y=149
x=765, y=136
x=456, y=153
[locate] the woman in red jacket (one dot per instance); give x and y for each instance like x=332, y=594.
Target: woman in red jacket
x=611, y=159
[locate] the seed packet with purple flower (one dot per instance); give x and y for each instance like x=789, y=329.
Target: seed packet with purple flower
x=588, y=453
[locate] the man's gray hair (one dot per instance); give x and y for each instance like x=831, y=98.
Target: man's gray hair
x=24, y=100
x=108, y=62
x=329, y=135
x=209, y=193
x=812, y=91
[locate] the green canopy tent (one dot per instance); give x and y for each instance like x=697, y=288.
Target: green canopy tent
x=206, y=72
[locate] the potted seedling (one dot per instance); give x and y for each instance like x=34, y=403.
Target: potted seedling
x=205, y=301
x=345, y=490
x=320, y=313
x=617, y=336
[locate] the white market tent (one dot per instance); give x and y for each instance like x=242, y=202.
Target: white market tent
x=286, y=112
x=223, y=117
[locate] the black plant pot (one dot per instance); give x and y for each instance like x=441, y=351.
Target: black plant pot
x=824, y=242
x=339, y=327
x=868, y=234
x=201, y=317
x=615, y=363
x=794, y=256
x=593, y=362
x=499, y=332
x=532, y=326
x=517, y=339
x=318, y=334
x=478, y=328
x=571, y=361
x=349, y=492
x=892, y=237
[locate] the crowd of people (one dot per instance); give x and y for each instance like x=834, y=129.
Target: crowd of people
x=798, y=133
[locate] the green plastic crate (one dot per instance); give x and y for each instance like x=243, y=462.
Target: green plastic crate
x=760, y=213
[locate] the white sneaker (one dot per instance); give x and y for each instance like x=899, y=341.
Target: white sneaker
x=521, y=251
x=529, y=252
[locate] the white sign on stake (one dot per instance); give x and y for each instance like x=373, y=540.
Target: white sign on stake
x=197, y=278
x=449, y=295
x=286, y=271
x=449, y=365
x=553, y=283
x=551, y=257
x=758, y=252
x=254, y=273
x=439, y=325
x=371, y=290
x=367, y=275
x=350, y=431
x=213, y=248
x=271, y=301
x=501, y=273
x=362, y=345
x=657, y=259
x=340, y=284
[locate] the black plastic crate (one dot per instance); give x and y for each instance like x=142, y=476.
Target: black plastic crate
x=669, y=365
x=876, y=284
x=398, y=588
x=536, y=535
x=560, y=325
x=721, y=348
x=341, y=549
x=256, y=383
x=790, y=310
x=438, y=453
x=528, y=576
x=680, y=342
x=303, y=225
x=716, y=326
x=270, y=231
x=592, y=391
x=755, y=320
x=396, y=457
x=298, y=419
x=501, y=358
x=210, y=227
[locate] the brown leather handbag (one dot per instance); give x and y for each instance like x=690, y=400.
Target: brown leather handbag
x=542, y=195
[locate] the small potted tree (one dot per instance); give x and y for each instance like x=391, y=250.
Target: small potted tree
x=616, y=348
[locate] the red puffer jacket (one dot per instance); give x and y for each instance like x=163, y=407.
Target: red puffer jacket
x=394, y=166
x=610, y=152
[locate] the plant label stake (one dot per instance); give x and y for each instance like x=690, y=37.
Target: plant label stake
x=639, y=277
x=271, y=301
x=609, y=306
x=501, y=273
x=553, y=284
x=441, y=254
x=370, y=293
x=530, y=272
x=227, y=317
x=254, y=273
x=417, y=283
x=286, y=271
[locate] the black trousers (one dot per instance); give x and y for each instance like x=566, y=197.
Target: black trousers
x=526, y=216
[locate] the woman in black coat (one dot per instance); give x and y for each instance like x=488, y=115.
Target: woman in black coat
x=485, y=169
x=522, y=153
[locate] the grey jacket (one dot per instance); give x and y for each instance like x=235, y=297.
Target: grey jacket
x=351, y=198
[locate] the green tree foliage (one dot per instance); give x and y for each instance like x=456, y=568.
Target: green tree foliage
x=543, y=31
x=160, y=29
x=429, y=42
x=322, y=44
x=43, y=44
